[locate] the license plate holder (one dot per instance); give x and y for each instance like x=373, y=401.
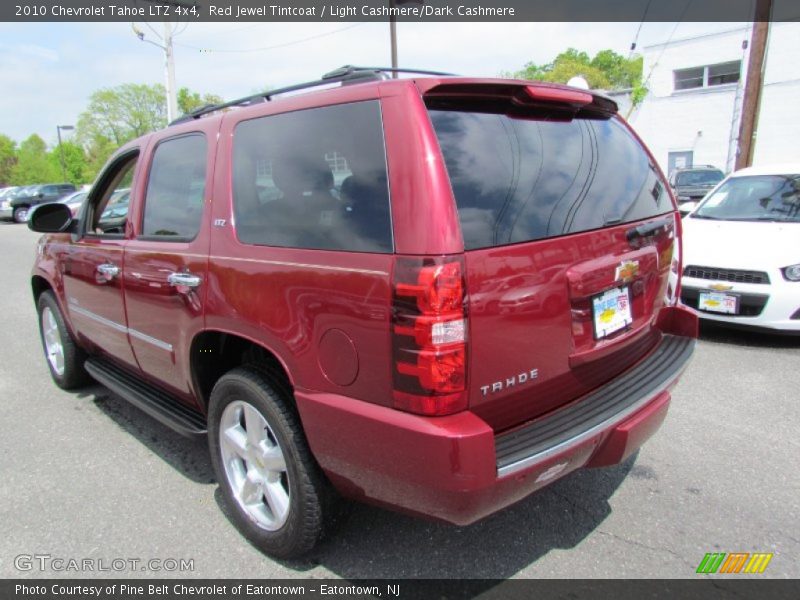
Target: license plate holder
x=611, y=311
x=718, y=302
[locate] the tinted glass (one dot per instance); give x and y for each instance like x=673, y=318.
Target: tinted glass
x=173, y=206
x=754, y=198
x=313, y=179
x=109, y=215
x=699, y=178
x=518, y=180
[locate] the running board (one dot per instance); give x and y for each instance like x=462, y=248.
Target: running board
x=161, y=406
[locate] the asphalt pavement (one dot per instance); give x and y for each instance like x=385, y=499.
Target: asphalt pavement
x=87, y=476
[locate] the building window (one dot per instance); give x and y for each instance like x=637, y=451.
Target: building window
x=707, y=76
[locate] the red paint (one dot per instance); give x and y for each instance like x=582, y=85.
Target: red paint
x=627, y=437
x=554, y=94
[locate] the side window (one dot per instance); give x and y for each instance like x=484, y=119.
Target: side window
x=173, y=205
x=313, y=178
x=108, y=213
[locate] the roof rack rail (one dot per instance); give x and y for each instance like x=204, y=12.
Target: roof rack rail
x=345, y=75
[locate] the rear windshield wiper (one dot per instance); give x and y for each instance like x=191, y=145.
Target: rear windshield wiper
x=647, y=229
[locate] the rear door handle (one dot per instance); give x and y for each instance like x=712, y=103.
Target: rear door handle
x=108, y=270
x=184, y=280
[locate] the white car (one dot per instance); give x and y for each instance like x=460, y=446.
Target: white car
x=741, y=250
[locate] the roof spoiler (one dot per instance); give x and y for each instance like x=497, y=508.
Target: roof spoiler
x=519, y=98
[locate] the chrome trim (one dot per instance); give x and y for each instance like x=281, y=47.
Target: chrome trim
x=585, y=435
x=282, y=263
x=184, y=279
x=151, y=340
x=73, y=305
x=102, y=320
x=209, y=257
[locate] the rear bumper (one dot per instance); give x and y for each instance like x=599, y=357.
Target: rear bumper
x=456, y=469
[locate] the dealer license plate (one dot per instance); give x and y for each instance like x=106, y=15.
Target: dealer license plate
x=718, y=302
x=611, y=311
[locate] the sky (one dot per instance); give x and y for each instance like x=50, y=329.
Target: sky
x=49, y=70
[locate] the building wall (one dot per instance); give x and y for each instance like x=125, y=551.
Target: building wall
x=701, y=120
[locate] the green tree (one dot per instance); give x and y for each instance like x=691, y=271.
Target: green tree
x=33, y=164
x=75, y=163
x=189, y=101
x=606, y=70
x=8, y=158
x=98, y=151
x=123, y=113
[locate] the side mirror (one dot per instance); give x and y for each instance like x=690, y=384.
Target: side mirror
x=50, y=218
x=40, y=195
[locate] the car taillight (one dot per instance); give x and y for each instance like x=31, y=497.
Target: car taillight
x=677, y=259
x=429, y=335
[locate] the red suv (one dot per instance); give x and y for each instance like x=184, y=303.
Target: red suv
x=436, y=294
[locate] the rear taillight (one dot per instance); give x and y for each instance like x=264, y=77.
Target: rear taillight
x=429, y=335
x=677, y=258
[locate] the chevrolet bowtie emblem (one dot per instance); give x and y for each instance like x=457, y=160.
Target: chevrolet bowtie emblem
x=720, y=287
x=627, y=270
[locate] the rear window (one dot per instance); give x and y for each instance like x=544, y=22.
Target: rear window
x=518, y=180
x=313, y=178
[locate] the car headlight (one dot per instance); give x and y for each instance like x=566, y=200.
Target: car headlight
x=791, y=273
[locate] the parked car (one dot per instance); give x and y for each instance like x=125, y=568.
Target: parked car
x=293, y=280
x=692, y=183
x=74, y=202
x=742, y=250
x=6, y=211
x=35, y=195
x=6, y=191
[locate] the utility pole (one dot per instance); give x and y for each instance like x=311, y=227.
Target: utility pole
x=169, y=60
x=169, y=67
x=393, y=36
x=754, y=83
x=393, y=29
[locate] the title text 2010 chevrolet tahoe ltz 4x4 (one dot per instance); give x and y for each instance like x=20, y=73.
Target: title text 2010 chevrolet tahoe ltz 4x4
x=437, y=294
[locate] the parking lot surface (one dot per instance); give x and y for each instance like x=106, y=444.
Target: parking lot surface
x=87, y=476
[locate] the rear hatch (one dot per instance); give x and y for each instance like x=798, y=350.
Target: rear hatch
x=569, y=236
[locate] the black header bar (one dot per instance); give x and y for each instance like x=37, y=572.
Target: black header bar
x=383, y=10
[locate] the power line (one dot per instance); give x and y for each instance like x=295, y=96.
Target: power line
x=265, y=48
x=669, y=39
x=639, y=30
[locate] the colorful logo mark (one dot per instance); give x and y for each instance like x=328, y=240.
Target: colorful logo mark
x=627, y=270
x=735, y=562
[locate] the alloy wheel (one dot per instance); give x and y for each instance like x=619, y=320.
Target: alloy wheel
x=254, y=465
x=52, y=341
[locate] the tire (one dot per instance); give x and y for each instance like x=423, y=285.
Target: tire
x=276, y=498
x=64, y=357
x=20, y=214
